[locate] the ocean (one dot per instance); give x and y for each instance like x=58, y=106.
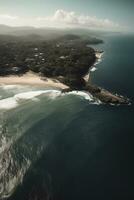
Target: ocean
x=70, y=147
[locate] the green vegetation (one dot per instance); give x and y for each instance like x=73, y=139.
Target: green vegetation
x=67, y=58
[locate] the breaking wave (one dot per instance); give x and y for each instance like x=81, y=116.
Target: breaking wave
x=12, y=102
x=17, y=99
x=93, y=69
x=99, y=60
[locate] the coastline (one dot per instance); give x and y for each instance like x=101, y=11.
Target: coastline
x=98, y=55
x=33, y=79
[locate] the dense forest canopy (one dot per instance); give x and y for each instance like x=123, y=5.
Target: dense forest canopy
x=67, y=57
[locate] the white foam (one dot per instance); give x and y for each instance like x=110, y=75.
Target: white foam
x=93, y=69
x=99, y=59
x=97, y=102
x=32, y=94
x=13, y=102
x=16, y=100
x=10, y=87
x=3, y=143
x=28, y=95
x=54, y=94
x=8, y=103
x=85, y=95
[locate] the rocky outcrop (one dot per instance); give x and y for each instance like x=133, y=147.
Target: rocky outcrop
x=103, y=95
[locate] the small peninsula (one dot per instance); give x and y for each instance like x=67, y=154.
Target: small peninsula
x=65, y=60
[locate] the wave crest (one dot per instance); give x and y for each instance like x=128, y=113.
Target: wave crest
x=17, y=99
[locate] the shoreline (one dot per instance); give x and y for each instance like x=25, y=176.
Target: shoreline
x=99, y=55
x=102, y=94
x=33, y=79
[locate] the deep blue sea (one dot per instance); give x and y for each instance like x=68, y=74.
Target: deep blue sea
x=68, y=147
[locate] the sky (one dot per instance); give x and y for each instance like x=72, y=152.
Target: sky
x=93, y=14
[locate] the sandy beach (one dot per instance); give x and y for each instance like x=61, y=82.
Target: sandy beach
x=31, y=78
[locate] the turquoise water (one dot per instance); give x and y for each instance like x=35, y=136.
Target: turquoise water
x=61, y=147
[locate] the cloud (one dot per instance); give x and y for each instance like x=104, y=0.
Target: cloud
x=60, y=19
x=64, y=18
x=8, y=17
